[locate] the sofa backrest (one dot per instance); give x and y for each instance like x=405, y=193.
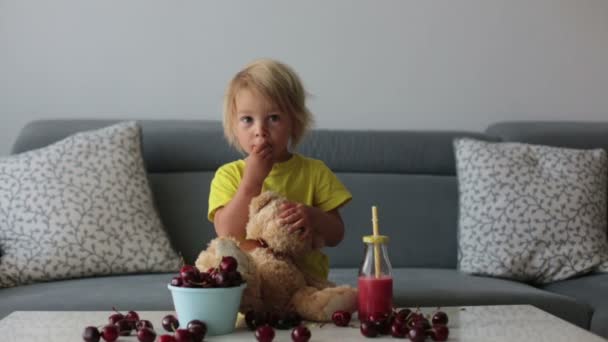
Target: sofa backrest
x=409, y=175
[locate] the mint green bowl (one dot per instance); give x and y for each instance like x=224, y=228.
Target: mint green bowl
x=217, y=307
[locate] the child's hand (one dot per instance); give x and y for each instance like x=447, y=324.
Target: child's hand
x=259, y=163
x=298, y=217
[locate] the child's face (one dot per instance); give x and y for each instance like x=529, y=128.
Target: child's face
x=260, y=122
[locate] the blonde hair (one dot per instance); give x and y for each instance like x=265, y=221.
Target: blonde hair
x=280, y=85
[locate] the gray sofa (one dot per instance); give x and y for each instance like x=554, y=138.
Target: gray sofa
x=409, y=175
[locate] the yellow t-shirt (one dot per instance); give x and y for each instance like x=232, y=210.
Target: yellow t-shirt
x=299, y=179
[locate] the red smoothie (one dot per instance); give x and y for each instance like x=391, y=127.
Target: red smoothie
x=375, y=295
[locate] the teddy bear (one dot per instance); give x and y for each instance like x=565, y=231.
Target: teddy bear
x=275, y=283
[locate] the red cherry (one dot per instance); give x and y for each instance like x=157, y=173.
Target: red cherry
x=300, y=334
x=187, y=268
x=143, y=323
x=264, y=333
x=124, y=327
x=190, y=278
x=439, y=333
x=439, y=317
x=381, y=321
x=416, y=334
x=109, y=332
x=146, y=334
x=91, y=334
x=399, y=329
x=132, y=316
x=198, y=330
x=368, y=329
x=341, y=318
x=170, y=323
x=114, y=318
x=402, y=315
x=228, y=264
x=182, y=335
x=166, y=338
x=176, y=281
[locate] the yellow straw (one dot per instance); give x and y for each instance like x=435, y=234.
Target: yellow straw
x=376, y=247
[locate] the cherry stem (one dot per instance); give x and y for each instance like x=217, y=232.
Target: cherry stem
x=118, y=312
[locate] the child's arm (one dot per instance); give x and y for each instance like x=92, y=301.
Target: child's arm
x=328, y=225
x=231, y=219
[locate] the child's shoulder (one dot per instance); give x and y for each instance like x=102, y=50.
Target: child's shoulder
x=312, y=162
x=236, y=166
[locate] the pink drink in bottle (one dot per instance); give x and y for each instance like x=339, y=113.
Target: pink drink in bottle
x=375, y=285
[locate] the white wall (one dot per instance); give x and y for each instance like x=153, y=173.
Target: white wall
x=420, y=64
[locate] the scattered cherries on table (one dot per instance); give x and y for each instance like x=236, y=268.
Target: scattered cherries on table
x=144, y=330
x=404, y=323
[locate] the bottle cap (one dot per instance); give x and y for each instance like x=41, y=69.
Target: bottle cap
x=380, y=239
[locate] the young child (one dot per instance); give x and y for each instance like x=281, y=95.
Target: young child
x=265, y=117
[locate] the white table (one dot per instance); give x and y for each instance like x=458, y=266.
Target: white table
x=472, y=323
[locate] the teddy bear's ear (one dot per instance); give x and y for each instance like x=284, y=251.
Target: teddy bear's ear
x=259, y=202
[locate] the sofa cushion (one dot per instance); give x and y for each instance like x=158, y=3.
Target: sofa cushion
x=428, y=287
x=531, y=212
x=80, y=207
x=125, y=292
x=591, y=290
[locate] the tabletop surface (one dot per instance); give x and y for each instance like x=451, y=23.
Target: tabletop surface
x=469, y=323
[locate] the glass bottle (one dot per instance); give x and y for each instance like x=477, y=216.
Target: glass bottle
x=375, y=278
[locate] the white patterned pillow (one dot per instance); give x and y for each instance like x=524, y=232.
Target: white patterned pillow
x=529, y=212
x=80, y=207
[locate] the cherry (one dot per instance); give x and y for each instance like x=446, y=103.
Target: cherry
x=416, y=334
x=113, y=319
x=439, y=333
x=124, y=327
x=109, y=332
x=402, y=315
x=176, y=281
x=187, y=268
x=341, y=318
x=368, y=329
x=255, y=320
x=182, y=335
x=440, y=317
x=132, y=316
x=91, y=334
x=146, y=334
x=422, y=324
x=198, y=330
x=300, y=334
x=399, y=329
x=228, y=264
x=190, y=278
x=220, y=279
x=264, y=333
x=381, y=321
x=234, y=278
x=143, y=323
x=166, y=338
x=170, y=323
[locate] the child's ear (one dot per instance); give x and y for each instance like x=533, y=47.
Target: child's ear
x=260, y=201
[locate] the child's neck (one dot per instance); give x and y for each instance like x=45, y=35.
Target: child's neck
x=284, y=157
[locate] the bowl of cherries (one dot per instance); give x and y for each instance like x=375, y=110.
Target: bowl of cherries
x=212, y=296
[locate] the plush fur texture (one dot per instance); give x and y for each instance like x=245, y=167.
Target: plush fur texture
x=274, y=281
